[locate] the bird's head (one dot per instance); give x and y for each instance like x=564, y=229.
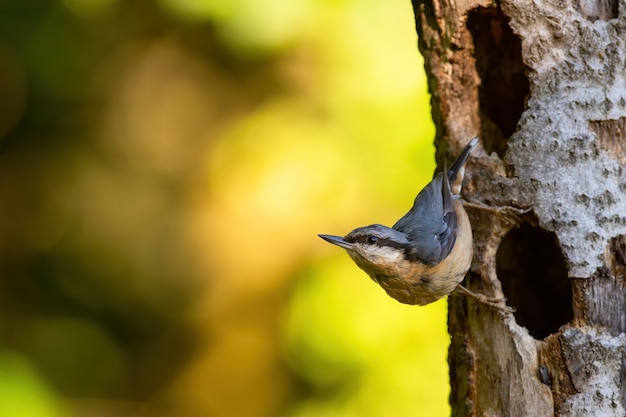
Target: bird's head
x=378, y=250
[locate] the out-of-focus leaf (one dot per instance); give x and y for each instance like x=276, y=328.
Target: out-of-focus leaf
x=23, y=393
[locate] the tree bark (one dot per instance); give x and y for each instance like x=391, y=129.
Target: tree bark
x=543, y=84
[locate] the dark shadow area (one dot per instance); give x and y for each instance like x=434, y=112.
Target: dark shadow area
x=534, y=279
x=504, y=86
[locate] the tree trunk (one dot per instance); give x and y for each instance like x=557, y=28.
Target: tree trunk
x=543, y=84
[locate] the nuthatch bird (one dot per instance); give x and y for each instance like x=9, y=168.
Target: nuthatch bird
x=427, y=253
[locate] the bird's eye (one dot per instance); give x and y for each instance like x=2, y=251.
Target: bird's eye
x=372, y=239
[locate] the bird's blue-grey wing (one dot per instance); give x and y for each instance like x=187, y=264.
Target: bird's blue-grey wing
x=431, y=224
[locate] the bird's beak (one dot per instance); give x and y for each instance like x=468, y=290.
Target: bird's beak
x=337, y=240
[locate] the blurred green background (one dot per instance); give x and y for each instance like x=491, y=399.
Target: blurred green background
x=165, y=167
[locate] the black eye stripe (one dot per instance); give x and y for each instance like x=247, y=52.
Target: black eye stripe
x=369, y=239
x=406, y=248
x=378, y=241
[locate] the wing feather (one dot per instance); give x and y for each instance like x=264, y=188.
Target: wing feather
x=431, y=223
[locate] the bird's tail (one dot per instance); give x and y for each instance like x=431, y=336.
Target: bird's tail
x=457, y=170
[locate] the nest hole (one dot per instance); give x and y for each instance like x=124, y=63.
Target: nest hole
x=499, y=65
x=533, y=273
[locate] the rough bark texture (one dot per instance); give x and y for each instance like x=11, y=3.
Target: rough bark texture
x=543, y=84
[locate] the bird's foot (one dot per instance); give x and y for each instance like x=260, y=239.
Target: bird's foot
x=510, y=212
x=498, y=304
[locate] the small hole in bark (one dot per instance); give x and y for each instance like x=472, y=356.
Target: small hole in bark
x=504, y=86
x=532, y=269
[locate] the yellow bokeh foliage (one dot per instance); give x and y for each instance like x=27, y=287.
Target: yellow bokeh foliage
x=165, y=168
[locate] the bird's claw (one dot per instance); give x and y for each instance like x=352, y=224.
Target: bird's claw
x=510, y=212
x=498, y=304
